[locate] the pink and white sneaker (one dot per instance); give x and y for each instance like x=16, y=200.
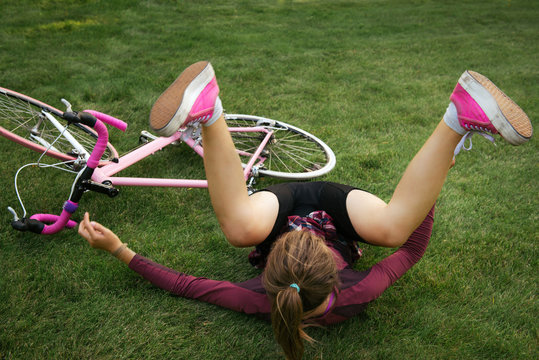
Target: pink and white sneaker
x=190, y=99
x=482, y=107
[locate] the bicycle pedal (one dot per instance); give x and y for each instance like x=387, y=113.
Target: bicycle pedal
x=89, y=185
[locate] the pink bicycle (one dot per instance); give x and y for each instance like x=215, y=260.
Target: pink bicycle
x=80, y=141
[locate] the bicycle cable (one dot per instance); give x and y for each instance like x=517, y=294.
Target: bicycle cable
x=41, y=165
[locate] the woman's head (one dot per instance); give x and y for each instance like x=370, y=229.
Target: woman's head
x=300, y=258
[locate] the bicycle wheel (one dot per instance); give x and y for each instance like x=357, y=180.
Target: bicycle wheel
x=291, y=153
x=22, y=121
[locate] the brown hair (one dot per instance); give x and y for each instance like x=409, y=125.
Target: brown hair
x=302, y=258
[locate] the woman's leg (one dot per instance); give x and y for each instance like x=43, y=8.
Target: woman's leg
x=391, y=224
x=476, y=105
x=193, y=98
x=245, y=220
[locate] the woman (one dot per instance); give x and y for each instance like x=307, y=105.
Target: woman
x=306, y=234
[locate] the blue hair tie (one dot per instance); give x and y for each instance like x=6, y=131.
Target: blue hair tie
x=294, y=285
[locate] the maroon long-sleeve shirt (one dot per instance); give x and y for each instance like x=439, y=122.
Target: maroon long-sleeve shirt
x=358, y=288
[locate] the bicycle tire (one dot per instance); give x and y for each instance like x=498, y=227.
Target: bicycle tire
x=19, y=119
x=292, y=153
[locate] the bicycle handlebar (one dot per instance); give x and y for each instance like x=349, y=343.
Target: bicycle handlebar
x=107, y=119
x=102, y=134
x=36, y=223
x=95, y=120
x=58, y=222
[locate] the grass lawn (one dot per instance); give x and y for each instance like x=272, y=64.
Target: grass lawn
x=371, y=78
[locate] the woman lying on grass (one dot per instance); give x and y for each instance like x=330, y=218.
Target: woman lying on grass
x=306, y=234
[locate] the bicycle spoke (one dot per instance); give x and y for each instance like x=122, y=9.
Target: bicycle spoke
x=292, y=153
x=302, y=162
x=23, y=117
x=289, y=147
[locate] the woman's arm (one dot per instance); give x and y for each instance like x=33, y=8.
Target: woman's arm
x=386, y=272
x=248, y=297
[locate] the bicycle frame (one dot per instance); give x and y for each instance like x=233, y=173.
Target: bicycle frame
x=98, y=177
x=190, y=137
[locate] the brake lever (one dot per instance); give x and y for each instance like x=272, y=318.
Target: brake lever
x=70, y=115
x=25, y=224
x=12, y=211
x=67, y=104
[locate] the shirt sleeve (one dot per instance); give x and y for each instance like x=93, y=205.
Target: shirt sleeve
x=387, y=271
x=242, y=297
x=360, y=288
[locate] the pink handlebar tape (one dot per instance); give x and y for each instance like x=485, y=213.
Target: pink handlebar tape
x=58, y=222
x=102, y=135
x=107, y=119
x=100, y=145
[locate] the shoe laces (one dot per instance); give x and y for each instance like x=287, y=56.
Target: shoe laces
x=203, y=118
x=468, y=136
x=472, y=127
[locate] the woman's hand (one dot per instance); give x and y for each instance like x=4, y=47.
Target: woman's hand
x=98, y=236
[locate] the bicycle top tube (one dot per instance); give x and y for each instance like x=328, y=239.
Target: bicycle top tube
x=190, y=137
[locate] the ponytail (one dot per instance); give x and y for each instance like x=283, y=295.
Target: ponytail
x=300, y=274
x=286, y=316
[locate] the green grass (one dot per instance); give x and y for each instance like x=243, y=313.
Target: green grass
x=371, y=78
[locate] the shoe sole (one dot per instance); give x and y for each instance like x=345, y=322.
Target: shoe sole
x=171, y=109
x=506, y=116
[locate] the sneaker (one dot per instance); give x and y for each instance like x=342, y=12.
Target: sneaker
x=190, y=99
x=484, y=108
